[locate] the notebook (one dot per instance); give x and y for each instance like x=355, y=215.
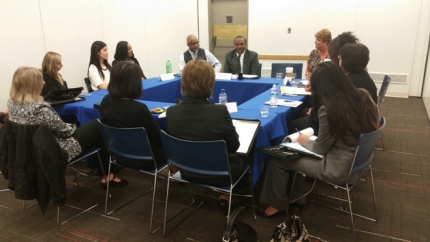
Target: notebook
x=247, y=131
x=55, y=97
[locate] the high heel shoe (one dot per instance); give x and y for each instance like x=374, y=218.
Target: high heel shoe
x=262, y=213
x=113, y=183
x=223, y=206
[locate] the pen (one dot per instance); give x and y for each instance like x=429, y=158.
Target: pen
x=298, y=131
x=287, y=101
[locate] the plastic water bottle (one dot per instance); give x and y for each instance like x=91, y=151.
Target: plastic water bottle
x=274, y=96
x=168, y=67
x=223, y=97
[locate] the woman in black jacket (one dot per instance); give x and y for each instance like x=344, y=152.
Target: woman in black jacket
x=51, y=65
x=124, y=52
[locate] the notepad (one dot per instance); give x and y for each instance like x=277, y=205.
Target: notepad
x=247, y=131
x=292, y=144
x=286, y=90
x=287, y=103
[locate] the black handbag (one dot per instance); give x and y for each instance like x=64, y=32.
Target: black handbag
x=294, y=231
x=238, y=231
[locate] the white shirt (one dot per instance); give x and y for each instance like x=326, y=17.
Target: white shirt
x=209, y=56
x=95, y=77
x=241, y=60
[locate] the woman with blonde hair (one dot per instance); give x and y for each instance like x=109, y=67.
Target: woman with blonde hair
x=27, y=107
x=51, y=65
x=322, y=39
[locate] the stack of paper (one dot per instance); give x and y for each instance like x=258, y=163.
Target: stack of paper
x=286, y=90
x=287, y=103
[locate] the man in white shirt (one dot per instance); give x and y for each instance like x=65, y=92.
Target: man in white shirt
x=194, y=52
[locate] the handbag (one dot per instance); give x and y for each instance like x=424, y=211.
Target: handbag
x=294, y=231
x=238, y=231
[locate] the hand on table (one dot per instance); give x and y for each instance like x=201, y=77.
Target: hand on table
x=308, y=88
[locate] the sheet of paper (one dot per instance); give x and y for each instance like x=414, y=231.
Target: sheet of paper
x=285, y=90
x=249, y=76
x=246, y=130
x=232, y=107
x=308, y=132
x=299, y=148
x=287, y=103
x=162, y=115
x=167, y=77
x=223, y=76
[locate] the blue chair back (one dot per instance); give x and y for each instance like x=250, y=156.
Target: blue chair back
x=88, y=84
x=366, y=146
x=280, y=68
x=208, y=158
x=130, y=146
x=383, y=90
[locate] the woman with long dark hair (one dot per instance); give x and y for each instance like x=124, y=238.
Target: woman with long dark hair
x=99, y=68
x=124, y=52
x=345, y=113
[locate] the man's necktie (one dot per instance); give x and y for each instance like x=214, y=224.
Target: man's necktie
x=238, y=62
x=194, y=54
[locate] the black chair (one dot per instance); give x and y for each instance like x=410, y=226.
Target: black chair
x=205, y=158
x=129, y=147
x=260, y=66
x=381, y=96
x=280, y=68
x=88, y=84
x=363, y=159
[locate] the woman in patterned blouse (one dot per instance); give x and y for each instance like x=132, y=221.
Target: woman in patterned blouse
x=322, y=38
x=26, y=106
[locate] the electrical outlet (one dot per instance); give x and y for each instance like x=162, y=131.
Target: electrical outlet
x=289, y=30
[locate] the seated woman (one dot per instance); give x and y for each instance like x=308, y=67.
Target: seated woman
x=347, y=113
x=322, y=39
x=124, y=52
x=198, y=119
x=353, y=60
x=99, y=68
x=26, y=106
x=51, y=65
x=119, y=109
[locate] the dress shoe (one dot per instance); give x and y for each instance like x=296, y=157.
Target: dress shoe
x=113, y=184
x=262, y=213
x=299, y=205
x=223, y=206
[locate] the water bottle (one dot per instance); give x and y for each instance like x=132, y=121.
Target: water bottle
x=274, y=96
x=168, y=67
x=223, y=97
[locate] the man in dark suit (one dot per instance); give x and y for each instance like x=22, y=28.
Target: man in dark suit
x=241, y=60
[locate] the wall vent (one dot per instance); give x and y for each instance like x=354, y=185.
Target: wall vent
x=229, y=19
x=395, y=78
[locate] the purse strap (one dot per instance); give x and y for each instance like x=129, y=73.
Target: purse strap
x=229, y=226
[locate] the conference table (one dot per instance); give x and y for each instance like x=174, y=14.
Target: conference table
x=248, y=94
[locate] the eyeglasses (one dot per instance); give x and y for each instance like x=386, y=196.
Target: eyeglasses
x=339, y=57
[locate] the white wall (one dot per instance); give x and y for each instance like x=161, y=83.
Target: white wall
x=29, y=28
x=394, y=31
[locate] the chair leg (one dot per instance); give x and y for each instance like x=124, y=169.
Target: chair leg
x=350, y=212
x=107, y=187
x=374, y=194
x=165, y=206
x=289, y=197
x=153, y=200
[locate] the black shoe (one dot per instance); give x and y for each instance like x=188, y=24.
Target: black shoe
x=262, y=213
x=223, y=206
x=299, y=205
x=113, y=184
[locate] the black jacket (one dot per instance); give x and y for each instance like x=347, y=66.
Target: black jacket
x=52, y=84
x=34, y=163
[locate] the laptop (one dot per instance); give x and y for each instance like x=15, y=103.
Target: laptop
x=56, y=97
x=247, y=131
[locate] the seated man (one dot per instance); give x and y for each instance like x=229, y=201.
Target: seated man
x=241, y=60
x=194, y=52
x=353, y=60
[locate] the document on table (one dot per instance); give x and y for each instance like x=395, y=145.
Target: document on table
x=287, y=103
x=286, y=90
x=247, y=130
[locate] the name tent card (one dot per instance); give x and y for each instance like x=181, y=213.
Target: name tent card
x=167, y=77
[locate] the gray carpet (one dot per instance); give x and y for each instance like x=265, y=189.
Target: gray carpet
x=402, y=180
